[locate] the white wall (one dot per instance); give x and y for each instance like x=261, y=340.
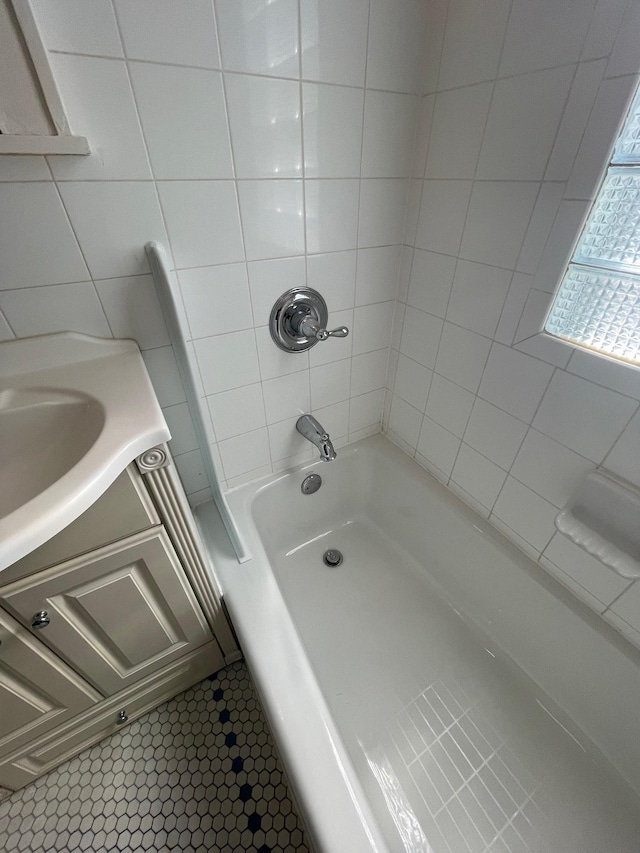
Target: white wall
x=266, y=144
x=523, y=102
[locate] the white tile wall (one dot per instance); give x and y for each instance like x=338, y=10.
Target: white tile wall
x=520, y=105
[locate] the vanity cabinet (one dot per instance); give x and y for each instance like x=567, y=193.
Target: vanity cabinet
x=115, y=615
x=38, y=692
x=111, y=617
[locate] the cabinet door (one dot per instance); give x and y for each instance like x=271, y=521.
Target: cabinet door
x=117, y=614
x=38, y=692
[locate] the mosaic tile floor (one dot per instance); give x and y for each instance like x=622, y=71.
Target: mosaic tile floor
x=200, y=774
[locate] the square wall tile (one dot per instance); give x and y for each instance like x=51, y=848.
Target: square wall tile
x=396, y=33
x=272, y=218
x=462, y=355
x=442, y=215
x=372, y=327
x=377, y=277
x=227, y=361
x=331, y=215
x=544, y=34
x=237, y=411
x=627, y=607
x=389, y=127
x=522, y=125
x=56, y=308
x=430, y=282
x=133, y=310
x=180, y=35
x=405, y=422
x=275, y=362
x=334, y=40
x=438, y=446
x=494, y=433
x=184, y=121
x=623, y=459
x=180, y=423
x=163, y=372
x=266, y=129
x=496, y=223
x=525, y=512
x=74, y=26
x=286, y=442
x=335, y=419
x=113, y=220
x=334, y=276
x=369, y=372
x=338, y=348
x=203, y=222
x=514, y=382
x=583, y=416
x=465, y=57
x=585, y=570
x=287, y=396
x=420, y=337
x=477, y=297
x=259, y=37
x=365, y=410
x=330, y=383
x=382, y=208
x=216, y=299
x=22, y=167
x=540, y=224
x=412, y=382
x=244, y=453
x=37, y=244
x=449, y=404
x=99, y=102
x=328, y=154
x=270, y=279
x=582, y=95
x=479, y=477
x=549, y=468
x=458, y=123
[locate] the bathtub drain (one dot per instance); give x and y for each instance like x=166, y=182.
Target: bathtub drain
x=332, y=557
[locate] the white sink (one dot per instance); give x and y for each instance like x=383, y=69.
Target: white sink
x=74, y=412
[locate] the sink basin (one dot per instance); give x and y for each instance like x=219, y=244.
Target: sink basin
x=74, y=412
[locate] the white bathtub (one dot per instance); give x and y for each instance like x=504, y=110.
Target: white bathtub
x=437, y=691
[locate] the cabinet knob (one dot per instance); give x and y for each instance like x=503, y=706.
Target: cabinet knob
x=40, y=619
x=122, y=717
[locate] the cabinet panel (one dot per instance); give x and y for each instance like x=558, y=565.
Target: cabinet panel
x=38, y=757
x=125, y=508
x=38, y=692
x=116, y=614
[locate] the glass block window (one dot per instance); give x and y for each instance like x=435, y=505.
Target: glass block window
x=598, y=302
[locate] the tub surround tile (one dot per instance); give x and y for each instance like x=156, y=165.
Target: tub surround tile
x=430, y=282
x=328, y=154
x=188, y=38
x=412, y=382
x=449, y=405
x=133, y=310
x=494, y=433
x=514, y=382
x=266, y=127
x=37, y=243
x=184, y=122
x=112, y=221
x=227, y=361
x=69, y=26
x=272, y=218
x=389, y=125
x=98, y=98
x=396, y=32
x=438, y=446
x=268, y=280
x=529, y=515
x=227, y=288
x=334, y=41
x=53, y=308
x=333, y=274
x=258, y=37
x=462, y=355
x=457, y=128
x=443, y=213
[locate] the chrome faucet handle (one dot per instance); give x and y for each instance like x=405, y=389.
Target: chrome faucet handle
x=309, y=326
x=340, y=332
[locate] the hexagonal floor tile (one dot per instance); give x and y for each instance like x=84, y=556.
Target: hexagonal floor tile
x=180, y=778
